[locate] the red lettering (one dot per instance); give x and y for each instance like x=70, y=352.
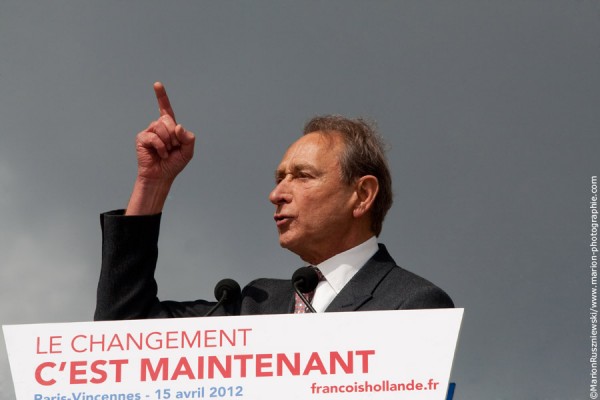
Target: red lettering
x=208, y=339
x=365, y=358
x=147, y=369
x=53, y=345
x=75, y=372
x=99, y=342
x=101, y=374
x=200, y=368
x=225, y=370
x=336, y=359
x=74, y=347
x=244, y=331
x=38, y=374
x=314, y=364
x=243, y=358
x=263, y=361
x=153, y=345
x=283, y=359
x=183, y=368
x=118, y=364
x=185, y=340
x=115, y=341
x=171, y=342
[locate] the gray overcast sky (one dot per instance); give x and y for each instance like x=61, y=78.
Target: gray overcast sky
x=490, y=110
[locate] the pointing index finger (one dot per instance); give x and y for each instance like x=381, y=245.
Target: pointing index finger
x=164, y=105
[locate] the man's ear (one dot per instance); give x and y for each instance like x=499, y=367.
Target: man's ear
x=367, y=188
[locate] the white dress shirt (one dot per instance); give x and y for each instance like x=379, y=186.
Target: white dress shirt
x=339, y=269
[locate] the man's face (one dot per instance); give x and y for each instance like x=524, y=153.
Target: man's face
x=313, y=206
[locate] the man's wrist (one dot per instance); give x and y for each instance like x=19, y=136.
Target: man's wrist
x=148, y=196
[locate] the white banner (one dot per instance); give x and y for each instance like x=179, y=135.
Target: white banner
x=329, y=356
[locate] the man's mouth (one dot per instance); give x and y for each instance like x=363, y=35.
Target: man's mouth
x=281, y=219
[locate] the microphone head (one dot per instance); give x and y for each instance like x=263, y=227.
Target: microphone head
x=305, y=279
x=227, y=290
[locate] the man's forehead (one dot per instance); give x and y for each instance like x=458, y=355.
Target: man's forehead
x=314, y=147
x=316, y=141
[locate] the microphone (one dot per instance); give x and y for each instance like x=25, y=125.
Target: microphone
x=305, y=280
x=226, y=291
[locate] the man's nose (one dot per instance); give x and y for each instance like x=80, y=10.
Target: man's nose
x=280, y=194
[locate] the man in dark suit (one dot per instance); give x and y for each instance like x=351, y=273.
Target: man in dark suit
x=332, y=192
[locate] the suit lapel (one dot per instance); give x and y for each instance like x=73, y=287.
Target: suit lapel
x=359, y=290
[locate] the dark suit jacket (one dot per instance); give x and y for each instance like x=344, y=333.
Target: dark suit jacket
x=127, y=289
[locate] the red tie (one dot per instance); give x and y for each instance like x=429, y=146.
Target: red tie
x=299, y=306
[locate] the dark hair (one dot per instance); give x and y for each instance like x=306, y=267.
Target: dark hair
x=364, y=154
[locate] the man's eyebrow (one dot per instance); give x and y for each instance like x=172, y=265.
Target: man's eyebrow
x=296, y=168
x=307, y=167
x=279, y=173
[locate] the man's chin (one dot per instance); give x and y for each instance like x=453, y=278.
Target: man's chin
x=288, y=244
x=284, y=243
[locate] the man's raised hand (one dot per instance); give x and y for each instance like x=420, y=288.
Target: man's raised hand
x=163, y=150
x=164, y=105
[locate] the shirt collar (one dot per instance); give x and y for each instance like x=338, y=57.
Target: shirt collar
x=339, y=269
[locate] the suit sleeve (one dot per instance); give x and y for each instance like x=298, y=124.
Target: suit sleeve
x=127, y=288
x=414, y=292
x=429, y=296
